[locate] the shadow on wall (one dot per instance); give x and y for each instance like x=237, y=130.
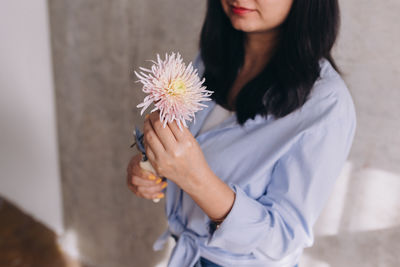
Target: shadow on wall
x=356, y=249
x=361, y=224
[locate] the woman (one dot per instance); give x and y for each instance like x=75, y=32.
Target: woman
x=248, y=180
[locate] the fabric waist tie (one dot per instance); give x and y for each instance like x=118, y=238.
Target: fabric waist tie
x=186, y=251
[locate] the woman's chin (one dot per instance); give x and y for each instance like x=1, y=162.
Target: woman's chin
x=244, y=27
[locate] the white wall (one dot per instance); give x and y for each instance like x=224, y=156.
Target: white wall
x=29, y=165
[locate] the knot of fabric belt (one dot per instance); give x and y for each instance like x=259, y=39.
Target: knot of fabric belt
x=186, y=251
x=174, y=229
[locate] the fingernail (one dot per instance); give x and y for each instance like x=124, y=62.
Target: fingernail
x=151, y=177
x=164, y=185
x=161, y=195
x=159, y=181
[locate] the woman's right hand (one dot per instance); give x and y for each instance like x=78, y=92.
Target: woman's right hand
x=143, y=183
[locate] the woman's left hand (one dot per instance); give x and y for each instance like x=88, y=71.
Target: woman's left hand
x=173, y=153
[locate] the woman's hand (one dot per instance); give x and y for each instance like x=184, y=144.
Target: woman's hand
x=143, y=183
x=173, y=153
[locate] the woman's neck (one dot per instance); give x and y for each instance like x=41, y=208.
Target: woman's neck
x=259, y=47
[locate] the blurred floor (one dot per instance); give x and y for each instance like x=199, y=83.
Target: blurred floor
x=25, y=242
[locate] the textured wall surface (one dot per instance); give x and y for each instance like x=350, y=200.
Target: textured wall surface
x=361, y=224
x=96, y=44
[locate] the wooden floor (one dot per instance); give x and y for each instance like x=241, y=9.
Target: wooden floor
x=25, y=242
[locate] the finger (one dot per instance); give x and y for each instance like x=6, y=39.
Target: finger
x=150, y=191
x=148, y=194
x=131, y=169
x=130, y=165
x=133, y=189
x=147, y=176
x=143, y=173
x=138, y=181
x=152, y=197
x=178, y=133
x=164, y=134
x=128, y=179
x=151, y=138
x=151, y=156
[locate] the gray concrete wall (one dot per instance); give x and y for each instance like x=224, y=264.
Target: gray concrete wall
x=361, y=224
x=96, y=44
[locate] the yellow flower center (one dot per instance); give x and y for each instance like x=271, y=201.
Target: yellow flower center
x=176, y=87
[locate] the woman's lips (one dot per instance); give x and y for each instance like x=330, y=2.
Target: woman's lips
x=240, y=10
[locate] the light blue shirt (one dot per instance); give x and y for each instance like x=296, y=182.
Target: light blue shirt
x=282, y=171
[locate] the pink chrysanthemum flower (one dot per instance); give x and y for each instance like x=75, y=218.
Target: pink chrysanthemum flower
x=175, y=90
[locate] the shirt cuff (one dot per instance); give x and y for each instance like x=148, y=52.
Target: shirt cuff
x=246, y=213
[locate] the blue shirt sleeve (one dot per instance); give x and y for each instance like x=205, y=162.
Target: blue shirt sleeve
x=280, y=221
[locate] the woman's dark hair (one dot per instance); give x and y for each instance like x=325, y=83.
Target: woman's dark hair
x=306, y=36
